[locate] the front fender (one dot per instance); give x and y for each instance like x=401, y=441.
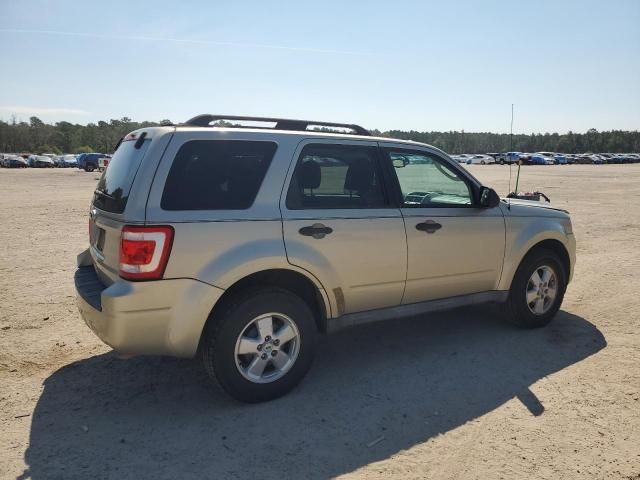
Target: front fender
x=524, y=233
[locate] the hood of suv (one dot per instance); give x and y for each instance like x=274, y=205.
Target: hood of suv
x=533, y=208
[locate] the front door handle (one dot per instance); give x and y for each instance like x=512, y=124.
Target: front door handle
x=317, y=230
x=428, y=226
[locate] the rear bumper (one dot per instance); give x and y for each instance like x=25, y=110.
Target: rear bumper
x=163, y=317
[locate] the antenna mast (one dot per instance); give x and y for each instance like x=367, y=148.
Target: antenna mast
x=511, y=149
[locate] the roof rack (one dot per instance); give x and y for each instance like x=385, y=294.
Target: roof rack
x=281, y=123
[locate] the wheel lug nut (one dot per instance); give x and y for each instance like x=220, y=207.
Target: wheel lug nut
x=259, y=347
x=263, y=356
x=276, y=342
x=267, y=338
x=273, y=353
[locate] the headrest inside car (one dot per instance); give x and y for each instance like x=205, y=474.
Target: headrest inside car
x=359, y=176
x=310, y=174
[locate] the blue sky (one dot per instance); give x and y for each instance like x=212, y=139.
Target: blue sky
x=566, y=65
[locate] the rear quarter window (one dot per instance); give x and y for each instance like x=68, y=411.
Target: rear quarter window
x=217, y=175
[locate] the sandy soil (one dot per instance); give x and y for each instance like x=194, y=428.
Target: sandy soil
x=458, y=396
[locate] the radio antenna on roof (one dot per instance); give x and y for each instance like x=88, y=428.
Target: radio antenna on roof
x=510, y=155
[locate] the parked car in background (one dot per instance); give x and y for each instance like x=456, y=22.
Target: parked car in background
x=560, y=159
x=509, y=157
x=14, y=161
x=65, y=161
x=103, y=163
x=70, y=161
x=41, y=161
x=537, y=159
x=548, y=157
x=524, y=157
x=480, y=160
x=89, y=161
x=589, y=159
x=462, y=157
x=629, y=158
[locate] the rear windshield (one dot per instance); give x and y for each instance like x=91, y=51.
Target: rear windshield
x=216, y=175
x=113, y=188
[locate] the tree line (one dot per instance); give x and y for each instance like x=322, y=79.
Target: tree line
x=35, y=136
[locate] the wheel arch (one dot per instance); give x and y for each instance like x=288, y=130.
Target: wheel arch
x=559, y=249
x=288, y=279
x=552, y=244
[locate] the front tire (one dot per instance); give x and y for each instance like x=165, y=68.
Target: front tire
x=537, y=290
x=261, y=344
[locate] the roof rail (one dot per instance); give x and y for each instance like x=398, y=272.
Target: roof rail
x=281, y=123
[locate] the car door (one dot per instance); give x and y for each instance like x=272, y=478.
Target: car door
x=338, y=224
x=454, y=247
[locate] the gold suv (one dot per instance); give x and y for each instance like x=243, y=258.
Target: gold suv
x=241, y=244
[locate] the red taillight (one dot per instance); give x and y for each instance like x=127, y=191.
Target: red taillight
x=144, y=251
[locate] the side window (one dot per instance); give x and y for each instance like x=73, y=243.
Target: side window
x=216, y=175
x=336, y=176
x=426, y=181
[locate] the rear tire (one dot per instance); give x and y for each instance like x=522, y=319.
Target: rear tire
x=236, y=325
x=537, y=290
x=89, y=167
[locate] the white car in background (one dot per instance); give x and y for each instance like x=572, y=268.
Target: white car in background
x=103, y=163
x=480, y=160
x=462, y=157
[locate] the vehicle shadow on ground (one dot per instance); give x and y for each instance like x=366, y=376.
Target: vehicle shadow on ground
x=406, y=380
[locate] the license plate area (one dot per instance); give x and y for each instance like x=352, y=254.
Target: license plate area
x=100, y=239
x=97, y=237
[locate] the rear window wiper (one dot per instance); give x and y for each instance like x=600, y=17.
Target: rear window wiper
x=103, y=194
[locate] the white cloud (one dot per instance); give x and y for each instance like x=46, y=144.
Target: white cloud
x=211, y=43
x=40, y=111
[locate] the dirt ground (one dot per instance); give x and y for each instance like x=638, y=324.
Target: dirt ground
x=457, y=395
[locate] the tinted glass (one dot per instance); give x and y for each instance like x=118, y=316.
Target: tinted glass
x=426, y=181
x=114, y=185
x=336, y=176
x=216, y=175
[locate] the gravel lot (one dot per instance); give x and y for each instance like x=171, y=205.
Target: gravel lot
x=460, y=395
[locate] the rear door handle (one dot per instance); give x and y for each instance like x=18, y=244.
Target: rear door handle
x=317, y=230
x=428, y=226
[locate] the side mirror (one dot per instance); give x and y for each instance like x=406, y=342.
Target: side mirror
x=488, y=198
x=400, y=162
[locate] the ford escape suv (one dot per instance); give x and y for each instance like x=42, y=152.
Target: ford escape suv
x=241, y=244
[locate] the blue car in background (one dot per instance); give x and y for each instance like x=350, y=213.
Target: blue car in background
x=537, y=160
x=89, y=161
x=561, y=160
